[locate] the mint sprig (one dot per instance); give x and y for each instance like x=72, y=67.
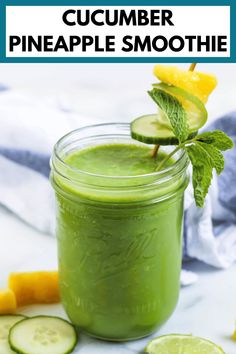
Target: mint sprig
x=204, y=150
x=174, y=111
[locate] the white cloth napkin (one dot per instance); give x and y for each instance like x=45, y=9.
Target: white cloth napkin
x=29, y=129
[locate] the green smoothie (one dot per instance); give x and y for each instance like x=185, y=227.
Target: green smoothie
x=116, y=160
x=120, y=245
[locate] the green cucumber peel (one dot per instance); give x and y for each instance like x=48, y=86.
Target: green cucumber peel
x=40, y=334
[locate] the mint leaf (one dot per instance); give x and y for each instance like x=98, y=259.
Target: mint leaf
x=215, y=156
x=217, y=138
x=204, y=158
x=204, y=150
x=174, y=112
x=205, y=154
x=202, y=172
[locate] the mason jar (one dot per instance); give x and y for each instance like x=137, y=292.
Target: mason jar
x=119, y=239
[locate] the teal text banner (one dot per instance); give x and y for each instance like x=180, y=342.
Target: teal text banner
x=172, y=39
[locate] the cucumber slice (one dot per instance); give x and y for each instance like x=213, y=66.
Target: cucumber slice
x=154, y=129
x=43, y=335
x=193, y=106
x=6, y=322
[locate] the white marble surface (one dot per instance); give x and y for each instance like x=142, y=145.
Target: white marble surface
x=207, y=308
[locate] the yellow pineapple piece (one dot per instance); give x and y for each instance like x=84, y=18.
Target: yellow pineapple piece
x=198, y=84
x=234, y=334
x=7, y=302
x=35, y=287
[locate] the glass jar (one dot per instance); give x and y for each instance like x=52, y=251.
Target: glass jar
x=119, y=240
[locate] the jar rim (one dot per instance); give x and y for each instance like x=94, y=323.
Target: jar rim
x=181, y=162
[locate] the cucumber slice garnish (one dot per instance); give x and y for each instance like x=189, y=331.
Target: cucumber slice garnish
x=43, y=335
x=193, y=106
x=6, y=322
x=154, y=129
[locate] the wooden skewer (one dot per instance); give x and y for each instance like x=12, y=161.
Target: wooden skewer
x=155, y=150
x=192, y=66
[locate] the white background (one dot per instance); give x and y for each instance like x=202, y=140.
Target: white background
x=47, y=20
x=108, y=92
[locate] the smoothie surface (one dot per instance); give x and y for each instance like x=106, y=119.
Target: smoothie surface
x=116, y=160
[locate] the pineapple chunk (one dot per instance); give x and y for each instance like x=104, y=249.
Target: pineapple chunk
x=198, y=84
x=234, y=334
x=35, y=287
x=7, y=302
